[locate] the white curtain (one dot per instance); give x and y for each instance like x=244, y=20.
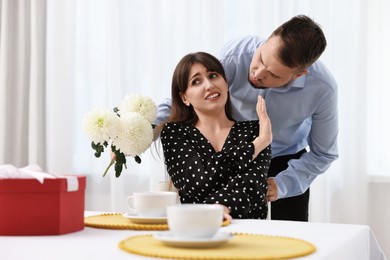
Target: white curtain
x=97, y=51
x=22, y=82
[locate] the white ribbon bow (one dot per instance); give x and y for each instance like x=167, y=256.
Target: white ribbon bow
x=9, y=171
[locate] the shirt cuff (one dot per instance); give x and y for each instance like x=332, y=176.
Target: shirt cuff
x=282, y=187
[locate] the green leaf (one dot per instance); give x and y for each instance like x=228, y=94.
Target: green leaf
x=118, y=169
x=120, y=161
x=98, y=149
x=137, y=159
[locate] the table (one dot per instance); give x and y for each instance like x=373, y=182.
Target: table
x=333, y=241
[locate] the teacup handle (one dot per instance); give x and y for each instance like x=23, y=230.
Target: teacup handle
x=130, y=204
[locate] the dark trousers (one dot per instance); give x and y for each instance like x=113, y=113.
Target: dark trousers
x=292, y=208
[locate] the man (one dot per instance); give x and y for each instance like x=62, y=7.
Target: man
x=301, y=98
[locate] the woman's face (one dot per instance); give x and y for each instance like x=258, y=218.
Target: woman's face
x=207, y=91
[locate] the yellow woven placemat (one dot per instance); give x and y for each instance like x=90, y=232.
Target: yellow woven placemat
x=117, y=221
x=240, y=247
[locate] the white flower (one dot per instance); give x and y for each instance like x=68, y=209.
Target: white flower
x=127, y=130
x=139, y=104
x=100, y=124
x=135, y=136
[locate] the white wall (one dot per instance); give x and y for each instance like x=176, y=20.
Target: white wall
x=379, y=211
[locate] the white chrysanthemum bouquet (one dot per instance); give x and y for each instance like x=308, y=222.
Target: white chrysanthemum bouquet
x=128, y=129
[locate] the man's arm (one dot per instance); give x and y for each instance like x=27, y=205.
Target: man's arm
x=163, y=111
x=323, y=151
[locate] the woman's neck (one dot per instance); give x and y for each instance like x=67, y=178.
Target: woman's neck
x=214, y=122
x=216, y=129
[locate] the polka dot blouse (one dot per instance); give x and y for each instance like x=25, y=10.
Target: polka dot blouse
x=229, y=177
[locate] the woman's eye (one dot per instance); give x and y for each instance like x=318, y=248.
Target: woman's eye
x=213, y=75
x=195, y=82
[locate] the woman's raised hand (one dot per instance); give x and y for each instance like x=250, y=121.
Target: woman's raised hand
x=265, y=130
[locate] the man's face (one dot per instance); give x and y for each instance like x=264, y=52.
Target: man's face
x=266, y=71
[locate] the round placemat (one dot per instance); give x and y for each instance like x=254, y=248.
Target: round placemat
x=240, y=247
x=117, y=221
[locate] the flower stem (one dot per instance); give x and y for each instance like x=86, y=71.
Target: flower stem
x=108, y=167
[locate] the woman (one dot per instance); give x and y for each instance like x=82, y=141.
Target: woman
x=210, y=157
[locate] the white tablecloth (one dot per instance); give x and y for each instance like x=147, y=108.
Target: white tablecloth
x=333, y=241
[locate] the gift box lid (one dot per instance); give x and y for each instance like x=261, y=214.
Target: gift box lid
x=33, y=185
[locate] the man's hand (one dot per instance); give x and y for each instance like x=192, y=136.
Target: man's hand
x=272, y=193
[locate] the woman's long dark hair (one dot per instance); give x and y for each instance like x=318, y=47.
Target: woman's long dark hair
x=180, y=113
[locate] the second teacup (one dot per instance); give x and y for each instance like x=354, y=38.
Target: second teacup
x=151, y=203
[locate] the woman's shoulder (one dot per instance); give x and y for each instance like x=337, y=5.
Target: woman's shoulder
x=175, y=127
x=248, y=123
x=171, y=126
x=247, y=126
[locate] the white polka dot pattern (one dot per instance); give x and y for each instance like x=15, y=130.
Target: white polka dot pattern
x=229, y=177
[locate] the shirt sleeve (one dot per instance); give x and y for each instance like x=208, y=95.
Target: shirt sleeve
x=163, y=111
x=299, y=175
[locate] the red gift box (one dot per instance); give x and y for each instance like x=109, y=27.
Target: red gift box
x=28, y=207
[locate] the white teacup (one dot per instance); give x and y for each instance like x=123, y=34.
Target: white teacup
x=194, y=220
x=151, y=203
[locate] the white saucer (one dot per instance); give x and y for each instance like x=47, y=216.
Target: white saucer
x=170, y=239
x=145, y=220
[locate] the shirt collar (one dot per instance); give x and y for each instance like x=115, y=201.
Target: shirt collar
x=296, y=83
